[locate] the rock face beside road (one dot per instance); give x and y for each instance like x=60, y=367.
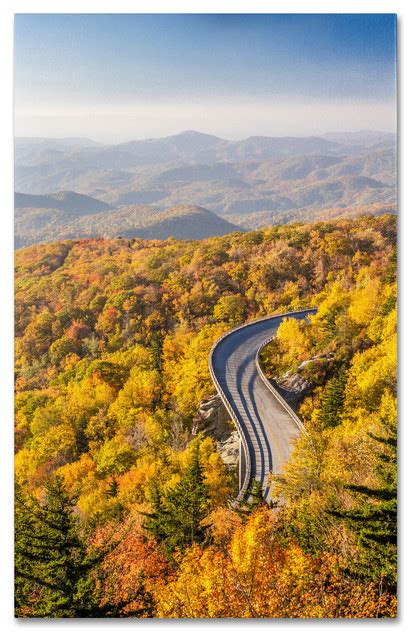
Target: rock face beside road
x=295, y=386
x=213, y=420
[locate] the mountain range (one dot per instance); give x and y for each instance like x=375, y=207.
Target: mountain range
x=75, y=186
x=35, y=224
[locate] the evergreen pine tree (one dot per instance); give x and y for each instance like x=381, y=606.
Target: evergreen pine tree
x=333, y=400
x=53, y=571
x=390, y=275
x=176, y=521
x=374, y=521
x=253, y=499
x=156, y=347
x=80, y=436
x=27, y=546
x=112, y=489
x=155, y=519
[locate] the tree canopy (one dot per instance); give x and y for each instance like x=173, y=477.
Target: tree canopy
x=112, y=344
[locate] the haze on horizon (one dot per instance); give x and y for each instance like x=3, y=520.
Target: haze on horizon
x=119, y=77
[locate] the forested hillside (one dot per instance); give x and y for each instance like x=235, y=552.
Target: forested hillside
x=184, y=222
x=120, y=510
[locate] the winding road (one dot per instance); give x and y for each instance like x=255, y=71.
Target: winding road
x=266, y=423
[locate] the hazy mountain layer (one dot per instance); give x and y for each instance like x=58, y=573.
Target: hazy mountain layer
x=184, y=223
x=265, y=219
x=249, y=182
x=66, y=201
x=97, y=170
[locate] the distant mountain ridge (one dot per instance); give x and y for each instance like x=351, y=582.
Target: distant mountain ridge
x=364, y=138
x=188, y=146
x=182, y=222
x=67, y=201
x=259, y=179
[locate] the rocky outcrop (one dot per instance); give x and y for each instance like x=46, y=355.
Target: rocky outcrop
x=229, y=450
x=212, y=420
x=294, y=386
x=294, y=383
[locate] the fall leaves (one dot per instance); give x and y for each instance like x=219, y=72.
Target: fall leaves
x=255, y=576
x=112, y=344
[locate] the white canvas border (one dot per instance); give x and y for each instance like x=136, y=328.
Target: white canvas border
x=407, y=91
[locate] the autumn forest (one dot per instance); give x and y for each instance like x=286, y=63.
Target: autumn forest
x=124, y=506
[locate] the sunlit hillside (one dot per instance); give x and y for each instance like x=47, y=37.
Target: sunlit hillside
x=112, y=344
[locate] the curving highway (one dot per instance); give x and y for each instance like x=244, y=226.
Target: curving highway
x=266, y=423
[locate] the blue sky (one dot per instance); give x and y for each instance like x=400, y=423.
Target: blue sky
x=115, y=77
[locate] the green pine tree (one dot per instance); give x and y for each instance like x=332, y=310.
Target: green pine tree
x=80, y=436
x=390, y=275
x=112, y=489
x=156, y=518
x=176, y=520
x=374, y=520
x=156, y=348
x=54, y=572
x=253, y=499
x=333, y=400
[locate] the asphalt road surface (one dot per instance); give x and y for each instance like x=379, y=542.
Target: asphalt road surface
x=265, y=423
